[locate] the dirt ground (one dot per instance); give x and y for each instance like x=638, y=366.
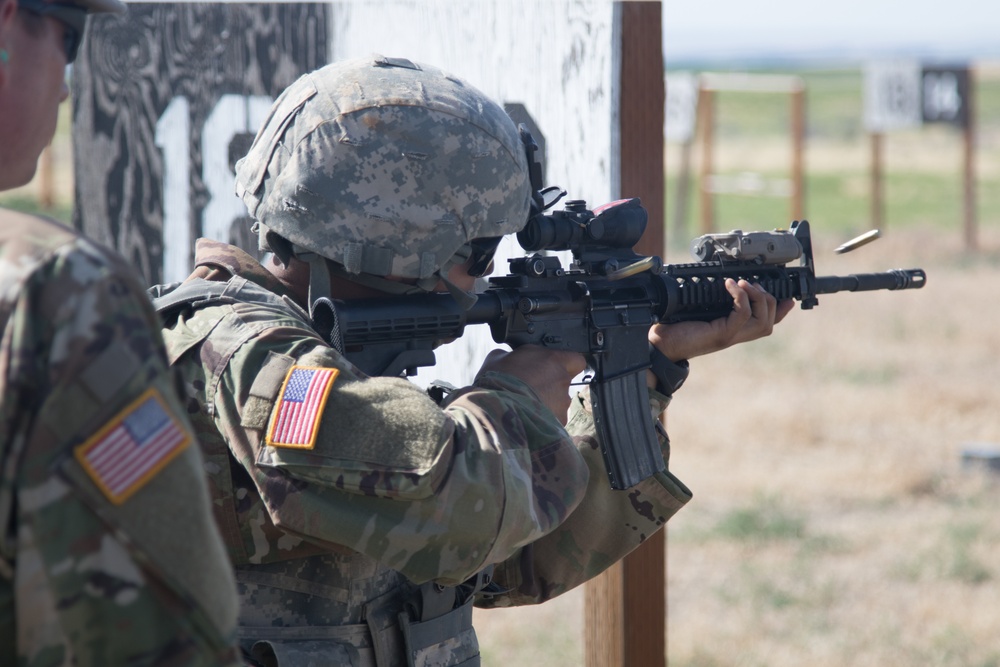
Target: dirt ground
x=834, y=520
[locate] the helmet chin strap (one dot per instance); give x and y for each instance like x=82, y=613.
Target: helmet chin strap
x=466, y=299
x=319, y=278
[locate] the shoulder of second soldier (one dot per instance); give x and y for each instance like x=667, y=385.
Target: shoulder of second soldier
x=219, y=261
x=26, y=241
x=60, y=260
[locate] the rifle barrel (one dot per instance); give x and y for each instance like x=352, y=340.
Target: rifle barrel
x=863, y=282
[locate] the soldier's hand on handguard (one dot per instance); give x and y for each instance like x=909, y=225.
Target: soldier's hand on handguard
x=755, y=312
x=547, y=372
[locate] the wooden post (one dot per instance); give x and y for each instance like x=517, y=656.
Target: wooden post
x=46, y=179
x=682, y=189
x=706, y=122
x=625, y=608
x=798, y=151
x=604, y=619
x=876, y=181
x=711, y=184
x=643, y=96
x=969, y=168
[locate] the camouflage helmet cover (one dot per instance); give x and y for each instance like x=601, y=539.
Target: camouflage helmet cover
x=385, y=167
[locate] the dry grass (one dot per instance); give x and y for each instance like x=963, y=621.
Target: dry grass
x=850, y=422
x=833, y=521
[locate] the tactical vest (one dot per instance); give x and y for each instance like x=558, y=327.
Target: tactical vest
x=328, y=608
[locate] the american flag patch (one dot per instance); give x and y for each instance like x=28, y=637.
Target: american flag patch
x=296, y=418
x=136, y=444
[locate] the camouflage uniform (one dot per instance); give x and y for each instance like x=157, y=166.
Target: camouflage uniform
x=106, y=553
x=335, y=538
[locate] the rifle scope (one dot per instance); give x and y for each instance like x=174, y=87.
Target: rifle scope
x=619, y=224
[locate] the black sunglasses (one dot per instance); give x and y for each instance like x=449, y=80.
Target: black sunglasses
x=482, y=254
x=73, y=18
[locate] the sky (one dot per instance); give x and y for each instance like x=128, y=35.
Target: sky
x=945, y=30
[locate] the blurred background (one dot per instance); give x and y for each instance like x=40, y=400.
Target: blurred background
x=832, y=51
x=844, y=468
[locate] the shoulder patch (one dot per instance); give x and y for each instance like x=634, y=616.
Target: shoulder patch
x=130, y=449
x=295, y=420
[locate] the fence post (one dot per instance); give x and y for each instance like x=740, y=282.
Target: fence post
x=798, y=151
x=878, y=199
x=969, y=168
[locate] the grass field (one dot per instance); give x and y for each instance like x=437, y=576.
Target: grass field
x=834, y=522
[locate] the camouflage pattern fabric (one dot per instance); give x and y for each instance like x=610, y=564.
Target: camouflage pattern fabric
x=603, y=529
x=340, y=138
x=392, y=489
x=108, y=553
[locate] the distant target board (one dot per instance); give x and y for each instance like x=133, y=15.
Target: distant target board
x=946, y=94
x=904, y=94
x=681, y=107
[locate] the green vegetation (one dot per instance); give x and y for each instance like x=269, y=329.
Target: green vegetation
x=953, y=557
x=766, y=519
x=28, y=198
x=26, y=202
x=954, y=646
x=962, y=564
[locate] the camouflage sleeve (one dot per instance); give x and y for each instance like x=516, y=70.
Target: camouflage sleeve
x=433, y=493
x=603, y=528
x=112, y=555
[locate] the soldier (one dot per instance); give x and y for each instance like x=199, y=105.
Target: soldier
x=108, y=551
x=364, y=519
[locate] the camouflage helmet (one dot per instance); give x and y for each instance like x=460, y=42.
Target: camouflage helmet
x=385, y=167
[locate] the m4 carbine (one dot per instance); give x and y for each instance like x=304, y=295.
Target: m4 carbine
x=601, y=306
